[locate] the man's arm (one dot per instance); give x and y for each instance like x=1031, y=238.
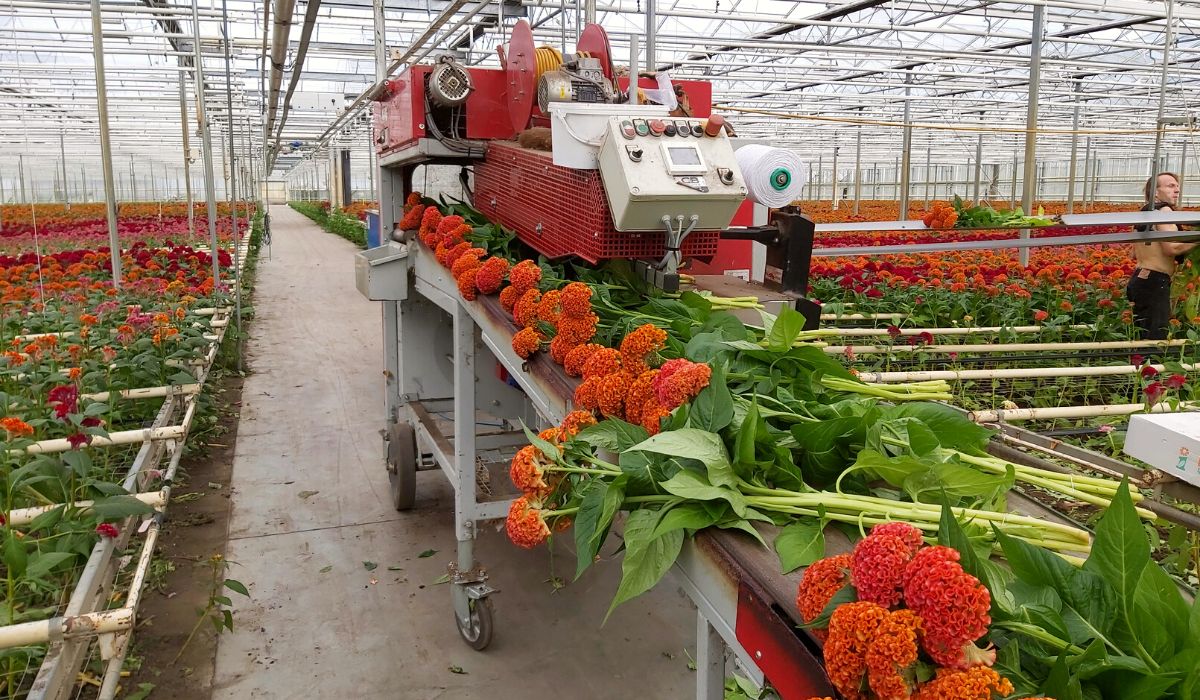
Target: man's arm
x=1172, y=248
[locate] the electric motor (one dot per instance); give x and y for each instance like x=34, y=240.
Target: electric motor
x=578, y=80
x=450, y=83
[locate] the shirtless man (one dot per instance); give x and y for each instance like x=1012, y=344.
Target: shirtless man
x=1150, y=286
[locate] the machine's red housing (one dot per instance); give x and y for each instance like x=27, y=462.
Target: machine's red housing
x=400, y=119
x=562, y=211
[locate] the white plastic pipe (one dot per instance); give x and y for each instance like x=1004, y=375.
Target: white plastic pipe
x=1121, y=409
x=1008, y=373
x=58, y=628
x=905, y=332
x=1004, y=347
x=23, y=516
x=153, y=392
x=123, y=437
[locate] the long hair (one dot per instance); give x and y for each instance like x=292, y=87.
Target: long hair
x=1152, y=184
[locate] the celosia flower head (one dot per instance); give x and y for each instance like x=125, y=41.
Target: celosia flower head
x=575, y=359
x=851, y=629
x=576, y=299
x=526, y=342
x=15, y=427
x=680, y=381
x=602, y=362
x=575, y=421
x=525, y=275
x=525, y=524
x=640, y=343
x=910, y=534
x=877, y=568
x=953, y=605
x=491, y=275
x=819, y=583
x=973, y=684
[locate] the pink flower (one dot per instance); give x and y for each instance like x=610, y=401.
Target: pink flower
x=1105, y=429
x=107, y=530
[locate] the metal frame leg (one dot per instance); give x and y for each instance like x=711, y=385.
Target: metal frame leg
x=464, y=455
x=710, y=660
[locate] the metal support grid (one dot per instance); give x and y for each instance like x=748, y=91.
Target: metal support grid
x=87, y=614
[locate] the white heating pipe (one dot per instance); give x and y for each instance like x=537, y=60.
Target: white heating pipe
x=863, y=317
x=123, y=437
x=58, y=628
x=1008, y=373
x=23, y=516
x=944, y=331
x=1121, y=409
x=153, y=392
x=1004, y=347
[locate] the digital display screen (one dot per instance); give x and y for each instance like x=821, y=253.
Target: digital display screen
x=684, y=155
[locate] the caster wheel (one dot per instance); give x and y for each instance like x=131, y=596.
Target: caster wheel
x=402, y=465
x=479, y=633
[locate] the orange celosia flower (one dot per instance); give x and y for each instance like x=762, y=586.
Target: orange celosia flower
x=639, y=343
x=602, y=362
x=525, y=524
x=652, y=414
x=587, y=394
x=610, y=394
x=466, y=283
x=821, y=580
x=491, y=275
x=851, y=629
x=892, y=654
x=559, y=347
x=979, y=683
x=525, y=275
x=527, y=473
x=576, y=300
x=16, y=427
x=525, y=310
x=576, y=421
x=640, y=391
x=526, y=342
x=575, y=359
x=547, y=308
x=577, y=330
x=508, y=298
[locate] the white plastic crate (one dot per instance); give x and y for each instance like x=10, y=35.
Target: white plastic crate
x=1167, y=441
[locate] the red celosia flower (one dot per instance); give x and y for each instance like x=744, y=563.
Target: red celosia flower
x=973, y=684
x=576, y=299
x=1175, y=381
x=639, y=343
x=610, y=394
x=1039, y=315
x=64, y=399
x=1137, y=360
x=851, y=629
x=577, y=330
x=412, y=201
x=893, y=331
x=679, y=381
x=525, y=310
x=448, y=224
x=603, y=362
x=586, y=394
x=526, y=342
x=1154, y=391
x=78, y=440
x=525, y=276
x=466, y=283
x=877, y=568
x=559, y=347
x=491, y=275
x=891, y=655
x=576, y=421
x=91, y=422
x=640, y=391
x=547, y=309
x=1066, y=305
x=652, y=414
x=821, y=580
x=952, y=604
x=16, y=427
x=525, y=525
x=575, y=359
x=910, y=534
x=107, y=530
x=508, y=298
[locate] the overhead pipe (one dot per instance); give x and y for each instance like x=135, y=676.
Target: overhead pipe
x=279, y=45
x=310, y=21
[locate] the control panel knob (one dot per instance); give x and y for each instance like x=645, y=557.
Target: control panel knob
x=684, y=128
x=627, y=129
x=642, y=128
x=714, y=125
x=670, y=129
x=657, y=127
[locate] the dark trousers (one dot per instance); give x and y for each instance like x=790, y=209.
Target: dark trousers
x=1150, y=293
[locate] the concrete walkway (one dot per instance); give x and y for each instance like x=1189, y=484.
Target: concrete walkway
x=311, y=514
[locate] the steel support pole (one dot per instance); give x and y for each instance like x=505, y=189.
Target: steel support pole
x=1162, y=87
x=62, y=150
x=651, y=30
x=978, y=166
x=210, y=180
x=21, y=175
x=187, y=151
x=589, y=12
x=233, y=186
x=896, y=181
x=857, y=168
x=1087, y=169
x=83, y=184
x=1072, y=171
x=1029, y=183
x=132, y=180
x=1012, y=203
x=928, y=176
x=834, y=193
x=820, y=177
x=110, y=195
x=906, y=148
x=1182, y=172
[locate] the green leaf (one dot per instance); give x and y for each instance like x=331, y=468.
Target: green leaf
x=712, y=409
x=644, y=471
x=1120, y=550
x=747, y=436
x=826, y=446
x=119, y=507
x=79, y=461
x=785, y=330
x=612, y=434
x=237, y=587
x=952, y=427
x=548, y=451
x=47, y=520
x=690, y=485
x=845, y=594
x=744, y=526
x=15, y=557
x=1158, y=598
x=1060, y=684
x=427, y=553
x=700, y=445
x=706, y=347
x=646, y=559
x=42, y=563
x=601, y=499
x=686, y=516
x=800, y=544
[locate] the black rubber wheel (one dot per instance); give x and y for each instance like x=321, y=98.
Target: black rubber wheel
x=479, y=634
x=402, y=465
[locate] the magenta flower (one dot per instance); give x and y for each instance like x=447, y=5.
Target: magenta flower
x=107, y=530
x=893, y=331
x=1154, y=391
x=1137, y=360
x=1175, y=381
x=1148, y=371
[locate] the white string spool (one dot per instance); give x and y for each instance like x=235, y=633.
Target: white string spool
x=773, y=176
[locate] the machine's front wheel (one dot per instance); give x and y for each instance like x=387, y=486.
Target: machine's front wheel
x=478, y=633
x=402, y=465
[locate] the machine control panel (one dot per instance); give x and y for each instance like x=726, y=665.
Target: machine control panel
x=657, y=167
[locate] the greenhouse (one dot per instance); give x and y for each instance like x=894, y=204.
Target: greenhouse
x=714, y=349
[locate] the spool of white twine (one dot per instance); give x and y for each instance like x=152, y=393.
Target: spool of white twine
x=773, y=176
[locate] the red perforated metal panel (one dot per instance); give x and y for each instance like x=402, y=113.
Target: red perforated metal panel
x=562, y=212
